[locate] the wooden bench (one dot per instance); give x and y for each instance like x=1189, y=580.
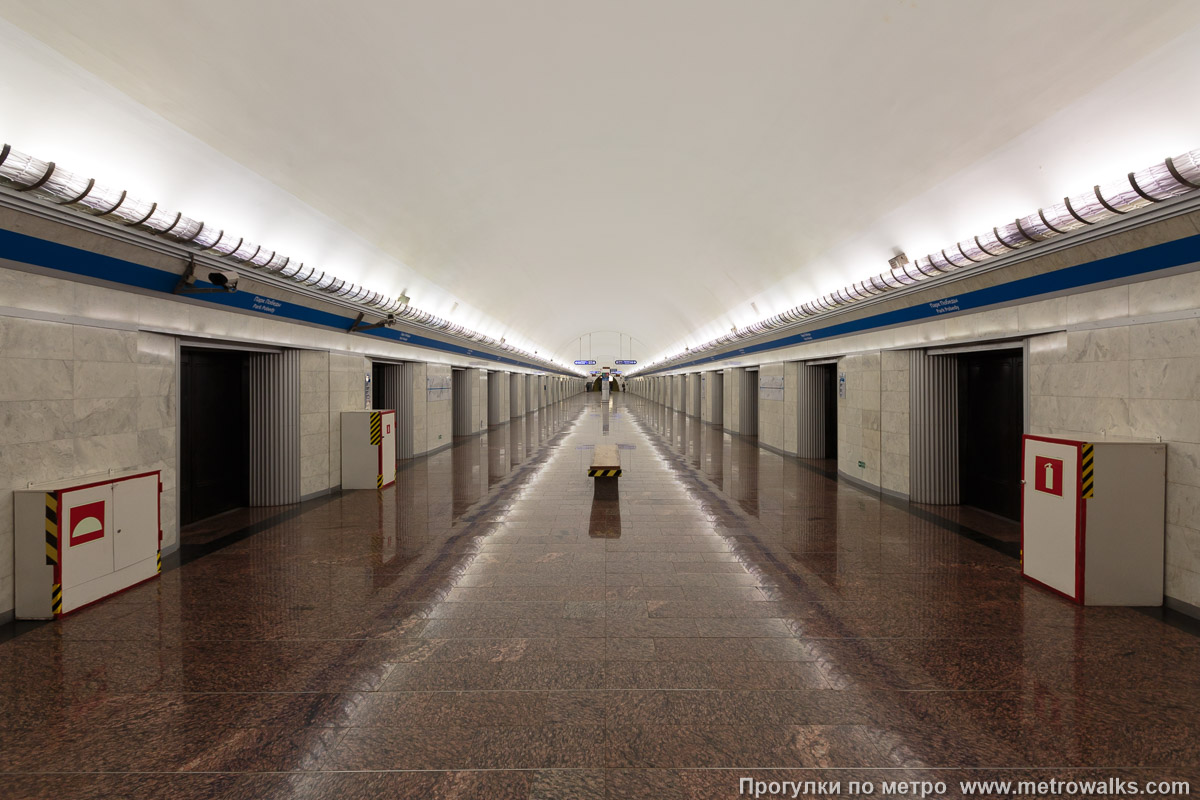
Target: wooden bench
x=606, y=462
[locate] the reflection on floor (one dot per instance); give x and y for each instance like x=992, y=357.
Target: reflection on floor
x=491, y=628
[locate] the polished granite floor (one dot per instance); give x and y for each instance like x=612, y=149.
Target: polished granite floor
x=490, y=628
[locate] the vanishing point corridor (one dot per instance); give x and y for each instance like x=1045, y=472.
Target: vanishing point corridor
x=486, y=628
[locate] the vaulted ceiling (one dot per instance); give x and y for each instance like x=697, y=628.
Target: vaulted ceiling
x=643, y=166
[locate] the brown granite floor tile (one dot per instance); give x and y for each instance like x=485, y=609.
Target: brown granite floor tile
x=523, y=747
x=753, y=614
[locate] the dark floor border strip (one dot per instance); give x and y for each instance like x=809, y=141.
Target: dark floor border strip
x=190, y=552
x=1176, y=613
x=1011, y=549
x=184, y=553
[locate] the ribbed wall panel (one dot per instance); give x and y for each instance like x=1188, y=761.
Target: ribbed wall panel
x=812, y=411
x=748, y=403
x=396, y=393
x=515, y=384
x=716, y=394
x=460, y=399
x=493, y=399
x=405, y=414
x=275, y=428
x=530, y=393
x=933, y=415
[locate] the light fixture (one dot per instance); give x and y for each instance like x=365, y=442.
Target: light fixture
x=1172, y=178
x=46, y=179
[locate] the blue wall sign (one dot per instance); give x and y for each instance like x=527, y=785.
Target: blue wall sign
x=1134, y=264
x=64, y=258
x=585, y=363
x=624, y=362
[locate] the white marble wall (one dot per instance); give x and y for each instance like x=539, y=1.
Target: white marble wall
x=420, y=412
x=439, y=411
x=314, y=422
x=78, y=400
x=347, y=392
x=894, y=421
x=505, y=399
x=517, y=379
x=859, y=417
x=791, y=408
x=771, y=409
x=733, y=399
x=1139, y=380
x=479, y=403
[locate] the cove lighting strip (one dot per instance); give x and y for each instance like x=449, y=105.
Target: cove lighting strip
x=1174, y=177
x=46, y=179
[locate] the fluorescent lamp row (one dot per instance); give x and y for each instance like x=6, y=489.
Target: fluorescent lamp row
x=1172, y=178
x=46, y=179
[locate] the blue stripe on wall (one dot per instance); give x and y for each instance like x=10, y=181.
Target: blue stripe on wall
x=52, y=255
x=1127, y=265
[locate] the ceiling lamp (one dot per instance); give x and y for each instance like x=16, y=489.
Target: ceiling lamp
x=1174, y=177
x=46, y=179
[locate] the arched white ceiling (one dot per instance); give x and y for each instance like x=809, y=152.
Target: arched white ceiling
x=651, y=167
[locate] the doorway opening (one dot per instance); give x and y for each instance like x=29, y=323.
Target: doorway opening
x=214, y=436
x=392, y=388
x=990, y=425
x=461, y=401
x=748, y=408
x=715, y=387
x=818, y=421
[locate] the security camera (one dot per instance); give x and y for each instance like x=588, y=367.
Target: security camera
x=224, y=279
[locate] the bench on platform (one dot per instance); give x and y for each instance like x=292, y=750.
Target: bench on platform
x=606, y=462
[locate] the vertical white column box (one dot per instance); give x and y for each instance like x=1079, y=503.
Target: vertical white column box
x=1093, y=519
x=368, y=449
x=81, y=540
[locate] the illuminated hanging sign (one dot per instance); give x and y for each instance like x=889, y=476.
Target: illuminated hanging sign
x=624, y=362
x=585, y=363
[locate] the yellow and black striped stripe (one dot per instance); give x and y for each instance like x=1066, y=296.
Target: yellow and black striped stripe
x=376, y=427
x=56, y=598
x=604, y=473
x=379, y=481
x=160, y=560
x=1087, y=475
x=51, y=529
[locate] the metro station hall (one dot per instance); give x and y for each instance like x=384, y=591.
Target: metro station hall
x=580, y=400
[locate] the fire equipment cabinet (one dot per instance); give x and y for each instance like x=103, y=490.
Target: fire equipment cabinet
x=80, y=540
x=368, y=449
x=1093, y=517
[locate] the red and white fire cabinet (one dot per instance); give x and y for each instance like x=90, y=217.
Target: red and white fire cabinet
x=1093, y=519
x=368, y=449
x=81, y=540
